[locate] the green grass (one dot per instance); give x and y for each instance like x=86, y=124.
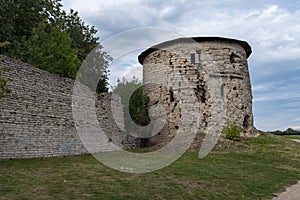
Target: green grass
x=254, y=168
x=292, y=136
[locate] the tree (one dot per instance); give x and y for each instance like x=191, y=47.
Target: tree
x=136, y=104
x=83, y=36
x=4, y=91
x=24, y=23
x=84, y=40
x=50, y=49
x=94, y=70
x=18, y=18
x=290, y=131
x=138, y=107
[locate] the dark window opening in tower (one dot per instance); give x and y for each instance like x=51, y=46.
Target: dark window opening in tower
x=193, y=58
x=200, y=92
x=246, y=122
x=171, y=95
x=198, y=52
x=232, y=58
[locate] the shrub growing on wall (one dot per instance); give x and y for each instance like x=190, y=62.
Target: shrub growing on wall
x=135, y=105
x=232, y=132
x=4, y=91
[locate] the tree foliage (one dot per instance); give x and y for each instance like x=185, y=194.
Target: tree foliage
x=41, y=33
x=288, y=131
x=4, y=91
x=83, y=36
x=19, y=17
x=92, y=68
x=50, y=49
x=132, y=97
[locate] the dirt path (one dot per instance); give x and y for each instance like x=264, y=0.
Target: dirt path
x=296, y=140
x=292, y=192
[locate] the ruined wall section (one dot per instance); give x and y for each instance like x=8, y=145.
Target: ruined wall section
x=217, y=71
x=36, y=119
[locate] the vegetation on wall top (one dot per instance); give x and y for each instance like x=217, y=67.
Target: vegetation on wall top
x=4, y=91
x=135, y=105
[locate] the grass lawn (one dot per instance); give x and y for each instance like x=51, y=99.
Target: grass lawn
x=254, y=168
x=292, y=136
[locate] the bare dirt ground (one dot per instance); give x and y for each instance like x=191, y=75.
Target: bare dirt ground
x=296, y=140
x=291, y=193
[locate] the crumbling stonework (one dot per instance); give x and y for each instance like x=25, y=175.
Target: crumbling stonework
x=214, y=68
x=200, y=82
x=36, y=118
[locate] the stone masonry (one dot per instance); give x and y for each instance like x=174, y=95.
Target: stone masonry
x=201, y=83
x=36, y=118
x=214, y=68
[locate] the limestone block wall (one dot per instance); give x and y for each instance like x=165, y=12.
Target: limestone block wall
x=215, y=69
x=36, y=119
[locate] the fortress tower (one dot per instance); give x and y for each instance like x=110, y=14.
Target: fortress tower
x=214, y=68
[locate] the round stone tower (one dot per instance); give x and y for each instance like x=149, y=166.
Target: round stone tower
x=215, y=69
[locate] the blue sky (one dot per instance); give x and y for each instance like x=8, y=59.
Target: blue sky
x=271, y=27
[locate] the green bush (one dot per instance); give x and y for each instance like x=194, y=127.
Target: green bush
x=232, y=132
x=4, y=91
x=289, y=131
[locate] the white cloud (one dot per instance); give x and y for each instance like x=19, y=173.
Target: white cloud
x=273, y=31
x=296, y=127
x=270, y=26
x=126, y=46
x=263, y=87
x=128, y=72
x=125, y=66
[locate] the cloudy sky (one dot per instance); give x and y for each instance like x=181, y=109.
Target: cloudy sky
x=271, y=27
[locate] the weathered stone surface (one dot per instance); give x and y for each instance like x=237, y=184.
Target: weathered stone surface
x=202, y=83
x=36, y=119
x=214, y=68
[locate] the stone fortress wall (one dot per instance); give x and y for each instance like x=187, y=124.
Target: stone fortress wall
x=36, y=118
x=214, y=68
